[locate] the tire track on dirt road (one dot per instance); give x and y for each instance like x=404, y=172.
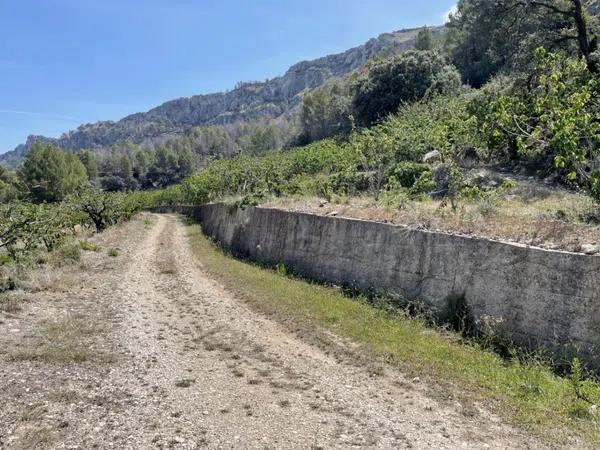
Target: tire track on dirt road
x=195, y=367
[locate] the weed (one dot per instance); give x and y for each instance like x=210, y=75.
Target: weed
x=68, y=253
x=282, y=270
x=5, y=259
x=88, y=246
x=113, y=252
x=62, y=341
x=10, y=304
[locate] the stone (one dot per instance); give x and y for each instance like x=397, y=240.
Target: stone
x=590, y=249
x=431, y=157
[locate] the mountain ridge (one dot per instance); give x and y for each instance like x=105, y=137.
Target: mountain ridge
x=247, y=101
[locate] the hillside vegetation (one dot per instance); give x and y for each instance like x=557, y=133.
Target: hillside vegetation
x=491, y=127
x=405, y=128
x=404, y=132
x=221, y=118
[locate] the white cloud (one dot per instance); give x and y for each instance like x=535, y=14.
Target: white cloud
x=446, y=16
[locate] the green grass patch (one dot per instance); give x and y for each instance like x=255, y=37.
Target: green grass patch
x=525, y=393
x=88, y=246
x=113, y=252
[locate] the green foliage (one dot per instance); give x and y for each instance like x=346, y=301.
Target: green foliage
x=326, y=112
x=551, y=119
x=103, y=209
x=88, y=246
x=49, y=174
x=405, y=78
x=91, y=161
x=26, y=226
x=261, y=139
x=424, y=39
x=485, y=37
x=368, y=161
x=272, y=173
x=407, y=173
x=10, y=188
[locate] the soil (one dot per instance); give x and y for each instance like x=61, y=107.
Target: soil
x=145, y=350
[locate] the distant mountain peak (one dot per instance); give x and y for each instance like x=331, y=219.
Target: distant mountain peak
x=247, y=101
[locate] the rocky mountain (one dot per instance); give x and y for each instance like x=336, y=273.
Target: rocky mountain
x=248, y=101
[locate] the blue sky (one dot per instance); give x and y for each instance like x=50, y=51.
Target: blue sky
x=67, y=62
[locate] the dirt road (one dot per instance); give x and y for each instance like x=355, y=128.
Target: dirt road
x=146, y=351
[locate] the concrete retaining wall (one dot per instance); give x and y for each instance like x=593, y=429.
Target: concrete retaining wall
x=542, y=298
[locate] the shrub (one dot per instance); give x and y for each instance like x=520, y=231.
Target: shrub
x=550, y=119
x=405, y=78
x=407, y=173
x=68, y=253
x=88, y=246
x=104, y=209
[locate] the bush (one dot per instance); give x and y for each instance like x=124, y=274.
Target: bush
x=365, y=161
x=104, y=209
x=326, y=112
x=407, y=173
x=405, y=78
x=550, y=119
x=68, y=253
x=26, y=227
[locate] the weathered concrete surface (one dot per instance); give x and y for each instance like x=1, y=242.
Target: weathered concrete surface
x=542, y=298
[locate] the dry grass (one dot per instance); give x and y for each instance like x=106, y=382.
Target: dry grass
x=61, y=341
x=545, y=219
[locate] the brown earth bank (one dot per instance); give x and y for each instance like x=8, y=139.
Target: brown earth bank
x=145, y=350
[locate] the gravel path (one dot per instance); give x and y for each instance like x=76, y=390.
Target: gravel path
x=172, y=360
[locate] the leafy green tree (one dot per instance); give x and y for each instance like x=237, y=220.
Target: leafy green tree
x=424, y=39
x=326, y=112
x=551, y=117
x=185, y=162
x=485, y=37
x=9, y=186
x=261, y=139
x=103, y=209
x=50, y=174
x=140, y=165
x=405, y=78
x=117, y=173
x=164, y=170
x=91, y=161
